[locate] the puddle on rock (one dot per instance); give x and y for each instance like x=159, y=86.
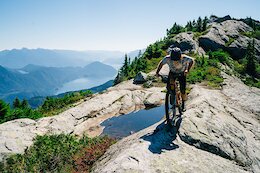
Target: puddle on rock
x=124, y=125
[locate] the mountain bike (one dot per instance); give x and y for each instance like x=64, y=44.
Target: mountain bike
x=173, y=98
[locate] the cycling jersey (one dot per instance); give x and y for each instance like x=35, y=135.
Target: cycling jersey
x=178, y=66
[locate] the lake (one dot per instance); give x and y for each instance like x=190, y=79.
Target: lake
x=81, y=83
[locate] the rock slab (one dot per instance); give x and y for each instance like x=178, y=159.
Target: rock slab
x=219, y=132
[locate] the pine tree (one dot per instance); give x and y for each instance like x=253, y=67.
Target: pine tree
x=250, y=22
x=139, y=54
x=199, y=24
x=193, y=24
x=204, y=24
x=4, y=111
x=24, y=104
x=125, y=66
x=251, y=59
x=117, y=79
x=16, y=103
x=189, y=26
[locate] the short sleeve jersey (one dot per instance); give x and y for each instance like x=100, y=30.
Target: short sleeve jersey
x=177, y=66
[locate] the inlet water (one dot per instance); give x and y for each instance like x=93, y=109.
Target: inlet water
x=81, y=83
x=124, y=125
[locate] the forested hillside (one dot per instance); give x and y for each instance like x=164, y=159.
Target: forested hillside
x=239, y=50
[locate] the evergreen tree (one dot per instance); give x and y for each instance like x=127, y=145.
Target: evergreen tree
x=189, y=26
x=204, y=24
x=250, y=22
x=4, y=110
x=149, y=52
x=251, y=59
x=125, y=69
x=157, y=51
x=16, y=103
x=193, y=24
x=118, y=78
x=199, y=25
x=176, y=29
x=24, y=104
x=139, y=54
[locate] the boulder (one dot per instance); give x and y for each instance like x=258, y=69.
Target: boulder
x=140, y=78
x=186, y=42
x=228, y=35
x=215, y=39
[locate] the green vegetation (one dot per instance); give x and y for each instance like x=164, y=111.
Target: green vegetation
x=143, y=62
x=20, y=110
x=251, y=59
x=207, y=69
x=4, y=109
x=230, y=41
x=197, y=26
x=256, y=28
x=248, y=68
x=58, y=153
x=51, y=106
x=149, y=60
x=198, y=34
x=253, y=34
x=175, y=29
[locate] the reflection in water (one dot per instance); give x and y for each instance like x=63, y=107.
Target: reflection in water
x=124, y=125
x=81, y=83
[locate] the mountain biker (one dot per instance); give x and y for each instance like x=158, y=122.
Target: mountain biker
x=179, y=65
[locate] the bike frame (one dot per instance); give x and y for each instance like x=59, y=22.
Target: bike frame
x=171, y=102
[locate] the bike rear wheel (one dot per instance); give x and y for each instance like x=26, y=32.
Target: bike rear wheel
x=170, y=107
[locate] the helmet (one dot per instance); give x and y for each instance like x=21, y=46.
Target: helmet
x=175, y=53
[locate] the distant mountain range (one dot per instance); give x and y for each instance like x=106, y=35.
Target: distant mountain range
x=18, y=58
x=26, y=73
x=34, y=80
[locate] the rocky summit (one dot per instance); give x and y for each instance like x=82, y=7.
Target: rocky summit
x=228, y=35
x=219, y=132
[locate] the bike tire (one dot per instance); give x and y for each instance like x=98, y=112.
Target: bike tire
x=170, y=109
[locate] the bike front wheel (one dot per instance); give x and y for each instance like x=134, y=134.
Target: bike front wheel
x=170, y=108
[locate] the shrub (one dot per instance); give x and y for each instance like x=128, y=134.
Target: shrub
x=230, y=41
x=4, y=111
x=206, y=69
x=58, y=153
x=252, y=82
x=221, y=56
x=52, y=105
x=240, y=68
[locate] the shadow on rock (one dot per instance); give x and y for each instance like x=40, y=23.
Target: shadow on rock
x=163, y=137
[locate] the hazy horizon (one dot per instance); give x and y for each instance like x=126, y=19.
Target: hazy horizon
x=86, y=50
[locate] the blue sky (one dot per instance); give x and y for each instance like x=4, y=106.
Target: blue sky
x=104, y=24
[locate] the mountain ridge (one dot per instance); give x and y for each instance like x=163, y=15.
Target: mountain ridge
x=44, y=80
x=18, y=58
